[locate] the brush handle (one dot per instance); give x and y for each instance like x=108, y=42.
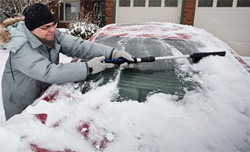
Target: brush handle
x=195, y=58
x=136, y=60
x=119, y=61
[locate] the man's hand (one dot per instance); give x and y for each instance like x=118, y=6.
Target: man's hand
x=116, y=54
x=96, y=65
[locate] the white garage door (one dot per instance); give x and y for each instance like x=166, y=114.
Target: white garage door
x=136, y=11
x=227, y=19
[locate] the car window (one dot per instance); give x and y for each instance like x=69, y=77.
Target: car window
x=147, y=78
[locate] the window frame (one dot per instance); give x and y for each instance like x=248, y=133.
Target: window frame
x=224, y=3
x=153, y=3
x=134, y=4
x=242, y=6
x=218, y=4
x=177, y=3
x=120, y=4
x=201, y=5
x=64, y=8
x=148, y=4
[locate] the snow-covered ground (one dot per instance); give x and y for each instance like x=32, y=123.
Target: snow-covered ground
x=215, y=118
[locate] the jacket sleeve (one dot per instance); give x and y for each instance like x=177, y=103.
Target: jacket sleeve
x=35, y=65
x=77, y=47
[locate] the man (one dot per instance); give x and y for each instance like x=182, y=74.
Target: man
x=33, y=62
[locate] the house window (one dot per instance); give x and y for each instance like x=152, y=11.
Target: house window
x=224, y=3
x=205, y=3
x=69, y=11
x=243, y=3
x=171, y=3
x=139, y=3
x=124, y=3
x=154, y=3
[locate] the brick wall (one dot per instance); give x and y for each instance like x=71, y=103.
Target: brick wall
x=188, y=13
x=109, y=11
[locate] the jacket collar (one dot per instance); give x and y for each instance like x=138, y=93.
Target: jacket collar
x=33, y=40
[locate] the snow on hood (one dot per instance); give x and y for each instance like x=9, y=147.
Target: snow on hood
x=214, y=117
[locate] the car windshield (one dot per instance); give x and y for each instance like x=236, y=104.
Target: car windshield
x=145, y=79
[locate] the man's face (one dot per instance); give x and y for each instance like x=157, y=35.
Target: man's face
x=46, y=31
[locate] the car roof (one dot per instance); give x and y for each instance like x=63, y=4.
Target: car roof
x=148, y=30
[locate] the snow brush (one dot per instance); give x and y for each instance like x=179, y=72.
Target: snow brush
x=196, y=57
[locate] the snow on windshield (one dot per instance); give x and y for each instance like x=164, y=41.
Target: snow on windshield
x=214, y=117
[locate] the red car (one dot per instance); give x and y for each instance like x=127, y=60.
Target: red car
x=165, y=105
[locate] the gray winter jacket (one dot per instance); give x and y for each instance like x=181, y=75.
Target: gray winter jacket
x=32, y=66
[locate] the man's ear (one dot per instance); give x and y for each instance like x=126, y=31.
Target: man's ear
x=34, y=31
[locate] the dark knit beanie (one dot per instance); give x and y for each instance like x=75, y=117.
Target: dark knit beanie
x=37, y=15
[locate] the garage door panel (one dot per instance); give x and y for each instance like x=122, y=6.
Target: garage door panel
x=231, y=24
x=243, y=32
x=222, y=31
x=124, y=15
x=240, y=46
x=140, y=15
x=215, y=17
x=148, y=14
x=223, y=17
x=204, y=17
x=243, y=17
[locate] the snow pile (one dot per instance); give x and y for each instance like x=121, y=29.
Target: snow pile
x=214, y=117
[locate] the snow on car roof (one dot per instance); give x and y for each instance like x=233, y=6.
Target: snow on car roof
x=155, y=30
